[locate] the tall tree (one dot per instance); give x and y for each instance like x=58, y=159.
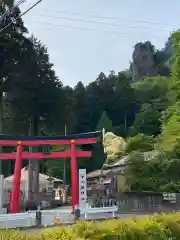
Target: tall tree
x=10, y=49
x=37, y=95
x=122, y=107
x=104, y=122
x=153, y=96
x=169, y=140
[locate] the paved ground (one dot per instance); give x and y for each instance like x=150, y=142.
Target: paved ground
x=48, y=217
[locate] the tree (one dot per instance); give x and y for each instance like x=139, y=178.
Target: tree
x=11, y=40
x=121, y=106
x=157, y=173
x=176, y=67
x=168, y=113
x=169, y=139
x=161, y=58
x=139, y=173
x=66, y=113
x=38, y=92
x=153, y=97
x=81, y=108
x=104, y=122
x=140, y=142
x=147, y=121
x=37, y=96
x=92, y=101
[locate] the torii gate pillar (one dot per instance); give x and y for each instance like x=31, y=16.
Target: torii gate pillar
x=74, y=176
x=15, y=196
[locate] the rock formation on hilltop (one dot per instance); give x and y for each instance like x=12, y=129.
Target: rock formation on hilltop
x=143, y=61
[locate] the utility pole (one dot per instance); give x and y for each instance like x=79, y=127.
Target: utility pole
x=64, y=170
x=125, y=123
x=103, y=134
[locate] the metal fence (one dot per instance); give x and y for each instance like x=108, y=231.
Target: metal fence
x=145, y=202
x=17, y=220
x=49, y=217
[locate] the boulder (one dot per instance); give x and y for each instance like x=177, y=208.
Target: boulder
x=113, y=146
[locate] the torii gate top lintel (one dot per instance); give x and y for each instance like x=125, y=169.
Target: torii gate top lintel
x=83, y=138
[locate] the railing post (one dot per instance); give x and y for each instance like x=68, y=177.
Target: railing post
x=15, y=197
x=74, y=176
x=76, y=213
x=38, y=218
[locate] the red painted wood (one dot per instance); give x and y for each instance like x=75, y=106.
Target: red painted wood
x=50, y=142
x=85, y=141
x=74, y=179
x=8, y=142
x=15, y=197
x=8, y=156
x=30, y=155
x=80, y=153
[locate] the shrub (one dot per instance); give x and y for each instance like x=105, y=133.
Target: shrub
x=157, y=226
x=8, y=234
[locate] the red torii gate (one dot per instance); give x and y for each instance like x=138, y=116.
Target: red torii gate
x=19, y=155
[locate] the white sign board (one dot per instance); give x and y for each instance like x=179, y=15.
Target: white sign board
x=82, y=189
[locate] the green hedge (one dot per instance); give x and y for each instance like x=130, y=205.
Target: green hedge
x=151, y=227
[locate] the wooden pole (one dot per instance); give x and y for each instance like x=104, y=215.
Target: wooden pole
x=15, y=197
x=74, y=176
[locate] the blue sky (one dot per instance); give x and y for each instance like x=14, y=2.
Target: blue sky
x=79, y=54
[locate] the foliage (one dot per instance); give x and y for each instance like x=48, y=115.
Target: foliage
x=161, y=58
x=121, y=108
x=168, y=113
x=153, y=97
x=176, y=67
x=158, y=226
x=140, y=142
x=160, y=173
x=170, y=137
x=153, y=172
x=37, y=92
x=11, y=42
x=104, y=122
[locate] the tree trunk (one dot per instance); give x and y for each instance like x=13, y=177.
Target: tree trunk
x=33, y=168
x=1, y=126
x=64, y=172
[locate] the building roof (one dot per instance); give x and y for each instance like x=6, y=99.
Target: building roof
x=24, y=176
x=124, y=160
x=97, y=173
x=119, y=163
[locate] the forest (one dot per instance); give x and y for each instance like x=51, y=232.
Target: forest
x=144, y=111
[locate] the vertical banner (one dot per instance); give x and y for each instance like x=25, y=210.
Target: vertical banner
x=82, y=190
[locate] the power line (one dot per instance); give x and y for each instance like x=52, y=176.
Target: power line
x=13, y=21
x=103, y=23
x=82, y=28
x=108, y=17
x=11, y=9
